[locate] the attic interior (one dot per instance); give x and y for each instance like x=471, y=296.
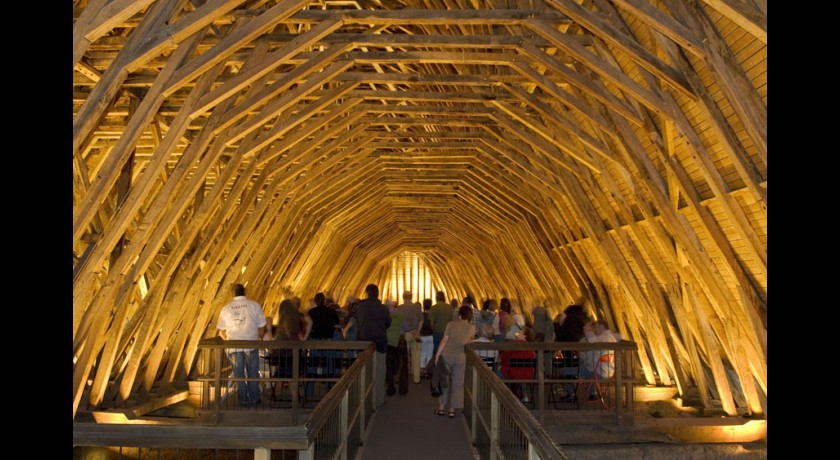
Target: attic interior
x=612, y=152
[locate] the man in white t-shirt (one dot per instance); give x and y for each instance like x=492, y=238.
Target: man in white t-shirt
x=243, y=319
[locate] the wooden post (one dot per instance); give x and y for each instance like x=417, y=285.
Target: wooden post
x=294, y=389
x=532, y=453
x=363, y=400
x=475, y=408
x=343, y=414
x=721, y=380
x=495, y=415
x=620, y=413
x=307, y=454
x=541, y=385
x=218, y=382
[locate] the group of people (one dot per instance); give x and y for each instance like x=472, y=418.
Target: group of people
x=411, y=341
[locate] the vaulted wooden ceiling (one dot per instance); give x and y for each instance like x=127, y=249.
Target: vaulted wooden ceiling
x=544, y=150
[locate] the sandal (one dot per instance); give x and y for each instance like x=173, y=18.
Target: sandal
x=439, y=412
x=451, y=414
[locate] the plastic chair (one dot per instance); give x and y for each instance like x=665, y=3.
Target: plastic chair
x=602, y=386
x=524, y=369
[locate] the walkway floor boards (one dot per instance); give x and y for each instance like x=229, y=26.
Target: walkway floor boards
x=406, y=428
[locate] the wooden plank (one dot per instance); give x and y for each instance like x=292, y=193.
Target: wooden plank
x=102, y=96
x=102, y=19
x=721, y=380
x=617, y=266
x=544, y=132
x=552, y=89
x=82, y=25
x=145, y=44
x=264, y=66
x=722, y=129
x=709, y=225
x=552, y=118
x=88, y=71
x=689, y=39
x=653, y=288
x=234, y=41
x=547, y=150
x=172, y=262
x=288, y=100
x=430, y=16
x=742, y=96
x=748, y=17
x=143, y=185
x=569, y=44
x=170, y=33
x=109, y=172
x=191, y=436
x=705, y=278
x=591, y=87
x=158, y=402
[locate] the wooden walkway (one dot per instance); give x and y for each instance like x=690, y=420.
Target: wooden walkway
x=406, y=428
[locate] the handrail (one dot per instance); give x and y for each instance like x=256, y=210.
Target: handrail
x=218, y=342
x=319, y=415
x=622, y=382
x=534, y=431
x=338, y=422
x=552, y=346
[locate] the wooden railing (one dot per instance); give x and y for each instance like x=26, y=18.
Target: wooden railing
x=500, y=426
x=588, y=395
x=217, y=381
x=335, y=428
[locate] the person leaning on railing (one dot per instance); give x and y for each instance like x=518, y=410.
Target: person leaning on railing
x=243, y=319
x=321, y=327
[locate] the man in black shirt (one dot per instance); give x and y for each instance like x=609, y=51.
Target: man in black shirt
x=321, y=325
x=373, y=319
x=322, y=319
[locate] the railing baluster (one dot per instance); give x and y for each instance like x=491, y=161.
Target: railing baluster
x=475, y=406
x=342, y=424
x=218, y=380
x=631, y=396
x=532, y=453
x=540, y=371
x=495, y=414
x=618, y=372
x=294, y=388
x=261, y=453
x=362, y=401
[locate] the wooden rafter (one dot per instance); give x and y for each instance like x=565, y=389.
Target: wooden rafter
x=610, y=150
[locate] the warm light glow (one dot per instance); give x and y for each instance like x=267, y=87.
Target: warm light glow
x=394, y=283
x=653, y=393
x=243, y=269
x=415, y=274
x=409, y=272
